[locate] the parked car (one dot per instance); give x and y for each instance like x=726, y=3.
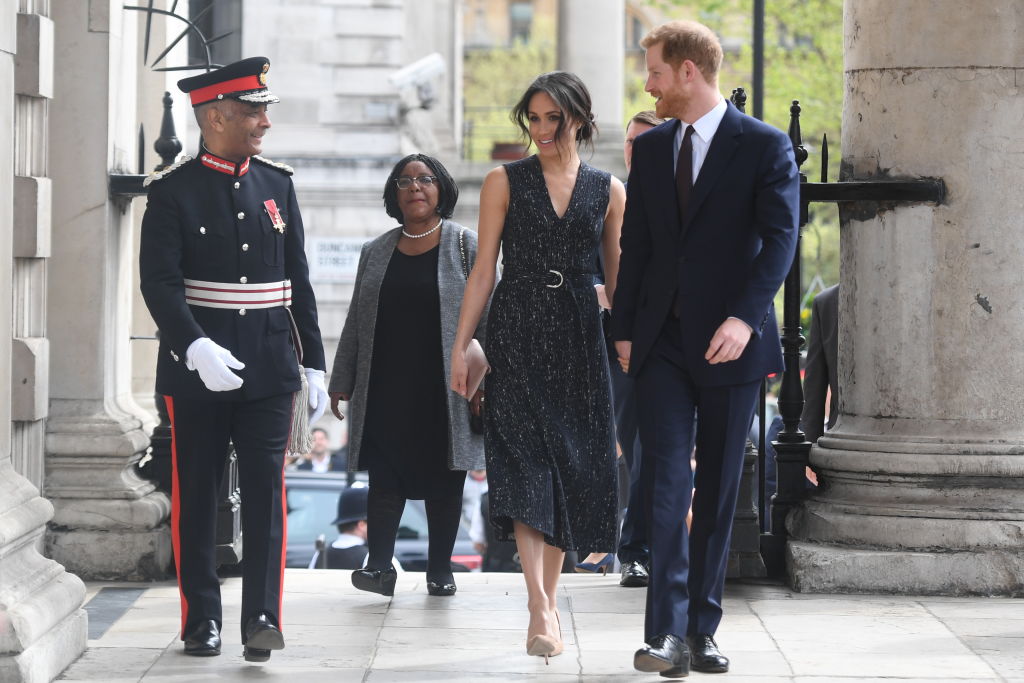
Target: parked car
x=313, y=505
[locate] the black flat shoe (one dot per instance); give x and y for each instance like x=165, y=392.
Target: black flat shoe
x=705, y=655
x=203, y=640
x=260, y=637
x=435, y=588
x=376, y=580
x=634, y=575
x=664, y=654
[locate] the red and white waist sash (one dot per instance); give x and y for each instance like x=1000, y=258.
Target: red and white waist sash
x=236, y=295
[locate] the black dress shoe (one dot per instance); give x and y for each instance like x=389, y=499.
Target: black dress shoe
x=664, y=654
x=376, y=580
x=634, y=575
x=441, y=588
x=705, y=656
x=260, y=637
x=203, y=640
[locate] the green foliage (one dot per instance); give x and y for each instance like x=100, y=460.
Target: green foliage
x=803, y=58
x=494, y=81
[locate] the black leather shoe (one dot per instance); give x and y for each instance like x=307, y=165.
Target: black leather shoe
x=705, y=656
x=664, y=654
x=442, y=589
x=634, y=575
x=376, y=580
x=260, y=637
x=203, y=640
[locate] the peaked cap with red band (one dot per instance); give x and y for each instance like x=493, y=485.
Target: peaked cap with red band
x=245, y=81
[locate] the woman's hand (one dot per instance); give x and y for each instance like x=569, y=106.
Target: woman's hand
x=460, y=373
x=337, y=397
x=477, y=402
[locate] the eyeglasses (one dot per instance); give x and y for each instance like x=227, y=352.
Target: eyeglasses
x=405, y=182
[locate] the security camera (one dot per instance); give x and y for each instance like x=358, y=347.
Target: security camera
x=419, y=73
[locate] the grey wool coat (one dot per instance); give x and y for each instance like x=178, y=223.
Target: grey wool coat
x=351, y=372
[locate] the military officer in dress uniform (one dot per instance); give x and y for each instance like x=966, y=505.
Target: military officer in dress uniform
x=224, y=275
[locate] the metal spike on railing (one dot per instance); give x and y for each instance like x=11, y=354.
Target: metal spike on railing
x=794, y=134
x=739, y=98
x=142, y=150
x=168, y=146
x=824, y=157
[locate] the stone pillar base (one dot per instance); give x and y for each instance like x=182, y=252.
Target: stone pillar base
x=817, y=568
x=910, y=513
x=113, y=555
x=46, y=658
x=109, y=523
x=42, y=625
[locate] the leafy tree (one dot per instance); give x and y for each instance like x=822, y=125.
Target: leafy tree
x=494, y=80
x=803, y=60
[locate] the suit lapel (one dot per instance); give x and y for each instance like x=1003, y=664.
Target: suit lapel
x=723, y=146
x=664, y=172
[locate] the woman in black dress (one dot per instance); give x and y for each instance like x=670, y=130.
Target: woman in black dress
x=405, y=427
x=548, y=425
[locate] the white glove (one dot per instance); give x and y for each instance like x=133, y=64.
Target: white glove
x=318, y=399
x=212, y=362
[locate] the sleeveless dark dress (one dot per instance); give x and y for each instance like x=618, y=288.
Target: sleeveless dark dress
x=548, y=433
x=405, y=433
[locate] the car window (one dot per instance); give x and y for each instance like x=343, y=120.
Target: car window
x=310, y=513
x=414, y=522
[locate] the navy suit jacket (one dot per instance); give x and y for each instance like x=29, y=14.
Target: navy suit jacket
x=729, y=256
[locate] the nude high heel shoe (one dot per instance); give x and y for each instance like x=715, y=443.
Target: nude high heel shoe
x=546, y=646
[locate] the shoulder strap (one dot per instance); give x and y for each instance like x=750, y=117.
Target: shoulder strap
x=462, y=253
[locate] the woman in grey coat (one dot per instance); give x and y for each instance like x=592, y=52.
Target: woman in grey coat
x=405, y=427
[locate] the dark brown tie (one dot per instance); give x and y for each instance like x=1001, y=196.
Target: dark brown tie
x=684, y=173
x=684, y=183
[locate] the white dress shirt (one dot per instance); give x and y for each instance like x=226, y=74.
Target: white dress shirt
x=704, y=130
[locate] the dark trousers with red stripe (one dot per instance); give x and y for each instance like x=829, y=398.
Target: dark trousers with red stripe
x=201, y=431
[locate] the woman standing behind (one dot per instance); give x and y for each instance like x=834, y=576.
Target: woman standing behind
x=548, y=423
x=406, y=428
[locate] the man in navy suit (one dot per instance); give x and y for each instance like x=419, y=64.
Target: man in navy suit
x=708, y=236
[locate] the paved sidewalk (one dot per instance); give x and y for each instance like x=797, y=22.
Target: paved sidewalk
x=335, y=633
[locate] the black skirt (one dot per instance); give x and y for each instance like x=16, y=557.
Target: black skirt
x=405, y=433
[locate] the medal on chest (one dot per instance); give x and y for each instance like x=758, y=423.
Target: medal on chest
x=270, y=206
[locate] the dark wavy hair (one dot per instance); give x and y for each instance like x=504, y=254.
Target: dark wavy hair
x=447, y=195
x=571, y=96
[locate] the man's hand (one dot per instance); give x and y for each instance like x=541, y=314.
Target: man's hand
x=213, y=363
x=317, y=394
x=624, y=349
x=728, y=343
x=336, y=398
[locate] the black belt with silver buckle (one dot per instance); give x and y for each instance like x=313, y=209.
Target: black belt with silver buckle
x=551, y=278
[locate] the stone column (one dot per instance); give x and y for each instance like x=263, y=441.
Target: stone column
x=42, y=625
x=922, y=489
x=108, y=522
x=590, y=45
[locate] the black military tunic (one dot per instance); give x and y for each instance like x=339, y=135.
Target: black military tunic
x=211, y=220
x=207, y=220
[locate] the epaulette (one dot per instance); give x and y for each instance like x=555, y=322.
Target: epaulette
x=160, y=175
x=275, y=164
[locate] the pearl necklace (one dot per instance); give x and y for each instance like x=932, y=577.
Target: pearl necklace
x=423, y=234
